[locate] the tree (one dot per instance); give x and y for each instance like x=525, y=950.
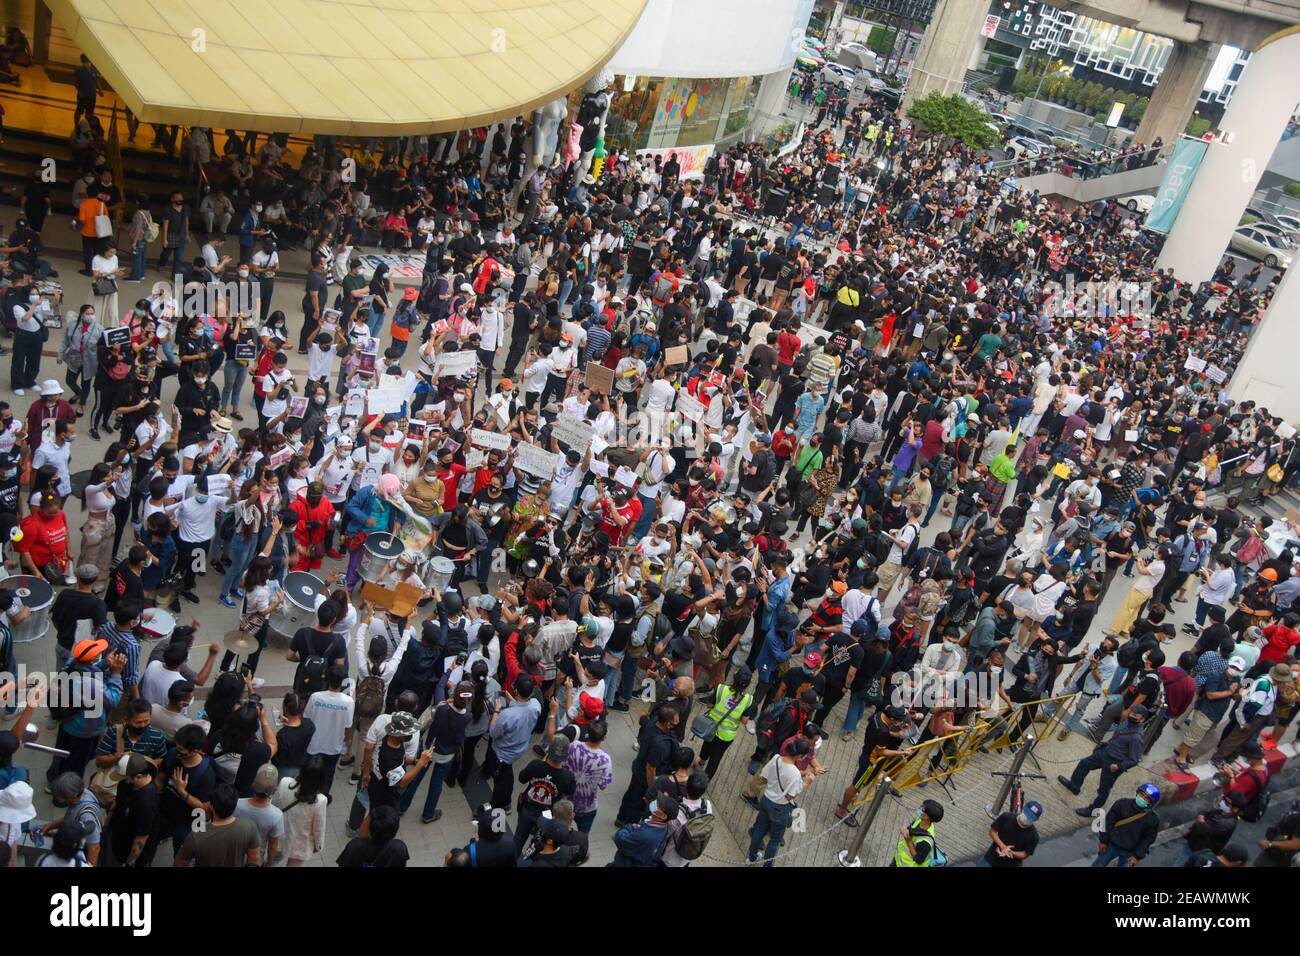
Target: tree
x=1139, y=109
x=954, y=117
x=1092, y=96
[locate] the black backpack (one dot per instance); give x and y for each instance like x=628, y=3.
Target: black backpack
x=767, y=721
x=1254, y=810
x=310, y=675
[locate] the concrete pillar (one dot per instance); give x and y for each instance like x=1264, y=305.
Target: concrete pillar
x=946, y=49
x=976, y=51
x=1266, y=374
x=41, y=28
x=1176, y=93
x=1258, y=113
x=766, y=115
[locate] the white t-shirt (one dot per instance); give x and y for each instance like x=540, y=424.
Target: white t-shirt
x=198, y=519
x=906, y=534
x=373, y=464
x=51, y=453
x=331, y=712
x=784, y=781
x=157, y=681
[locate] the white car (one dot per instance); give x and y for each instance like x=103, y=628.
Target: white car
x=1288, y=221
x=1022, y=147
x=1257, y=244
x=838, y=74
x=1139, y=202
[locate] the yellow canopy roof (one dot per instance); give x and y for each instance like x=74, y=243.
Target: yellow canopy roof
x=360, y=67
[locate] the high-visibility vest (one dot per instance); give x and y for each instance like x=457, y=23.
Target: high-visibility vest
x=728, y=717
x=903, y=856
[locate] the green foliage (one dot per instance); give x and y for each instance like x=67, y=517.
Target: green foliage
x=881, y=40
x=1138, y=110
x=1092, y=96
x=1197, y=126
x=954, y=117
x=1292, y=189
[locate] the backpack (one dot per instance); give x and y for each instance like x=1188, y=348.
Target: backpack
x=909, y=556
x=370, y=695
x=693, y=836
x=801, y=362
x=663, y=286
x=1254, y=811
x=310, y=676
x=767, y=721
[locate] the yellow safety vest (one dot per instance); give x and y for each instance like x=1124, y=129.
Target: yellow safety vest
x=903, y=856
x=728, y=717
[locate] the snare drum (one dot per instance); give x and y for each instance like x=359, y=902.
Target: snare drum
x=440, y=571
x=298, y=609
x=382, y=549
x=157, y=624
x=37, y=596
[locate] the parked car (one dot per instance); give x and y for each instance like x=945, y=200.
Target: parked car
x=1023, y=147
x=1289, y=221
x=1139, y=202
x=1264, y=246
x=838, y=75
x=1287, y=236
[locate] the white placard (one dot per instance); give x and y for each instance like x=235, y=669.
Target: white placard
x=1216, y=374
x=574, y=432
x=385, y=399
x=356, y=403
x=332, y=415
x=1131, y=435
x=456, y=363
x=598, y=446
x=535, y=461
x=690, y=407
x=474, y=457
x=625, y=477
x=600, y=468
x=279, y=458
x=486, y=439
x=1285, y=430
x=219, y=486
x=1194, y=364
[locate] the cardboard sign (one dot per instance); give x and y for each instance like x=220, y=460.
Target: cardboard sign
x=677, y=356
x=574, y=432
x=486, y=439
x=690, y=407
x=402, y=596
x=599, y=378
x=456, y=363
x=121, y=335
x=1216, y=374
x=536, y=461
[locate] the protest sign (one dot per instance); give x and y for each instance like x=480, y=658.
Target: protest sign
x=599, y=378
x=574, y=432
x=486, y=439
x=535, y=461
x=456, y=363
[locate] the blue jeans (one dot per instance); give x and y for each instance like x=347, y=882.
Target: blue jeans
x=1202, y=609
x=583, y=821
x=857, y=707
x=627, y=677
x=1111, y=853
x=375, y=321
x=138, y=260
x=177, y=254
x=935, y=497
x=646, y=521
x=241, y=552
x=900, y=475
x=437, y=775
x=611, y=685
x=566, y=287
x=770, y=824
x=234, y=374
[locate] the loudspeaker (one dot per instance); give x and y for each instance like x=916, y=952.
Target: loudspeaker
x=831, y=174
x=774, y=205
x=638, y=258
x=827, y=195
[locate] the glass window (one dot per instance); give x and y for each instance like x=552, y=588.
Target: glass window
x=633, y=111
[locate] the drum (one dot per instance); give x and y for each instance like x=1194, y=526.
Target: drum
x=298, y=609
x=382, y=549
x=157, y=624
x=440, y=572
x=37, y=596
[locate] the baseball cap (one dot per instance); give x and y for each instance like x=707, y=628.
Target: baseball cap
x=764, y=438
x=549, y=828
x=88, y=650
x=812, y=659
x=1033, y=809
x=1237, y=664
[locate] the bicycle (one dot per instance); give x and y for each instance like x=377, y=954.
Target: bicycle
x=1017, y=792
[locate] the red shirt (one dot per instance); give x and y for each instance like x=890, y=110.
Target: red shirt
x=630, y=511
x=1280, y=639
x=450, y=479
x=45, y=539
x=788, y=346
x=932, y=440
x=264, y=363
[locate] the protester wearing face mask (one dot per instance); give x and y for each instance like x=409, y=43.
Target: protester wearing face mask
x=199, y=402
x=1014, y=836
x=80, y=353
x=251, y=232
x=197, y=524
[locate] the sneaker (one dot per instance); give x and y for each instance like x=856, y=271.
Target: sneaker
x=190, y=596
x=753, y=767
x=1085, y=812
x=437, y=815
x=1065, y=782
x=94, y=432
x=347, y=761
x=235, y=592
x=228, y=601
x=620, y=705
x=350, y=831
x=19, y=391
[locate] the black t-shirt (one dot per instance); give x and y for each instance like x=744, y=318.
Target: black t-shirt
x=316, y=283
x=199, y=783
x=72, y=606
x=543, y=785
x=309, y=642
x=623, y=631
x=842, y=653
x=135, y=814
x=492, y=853
x=362, y=851
x=292, y=744
x=1015, y=836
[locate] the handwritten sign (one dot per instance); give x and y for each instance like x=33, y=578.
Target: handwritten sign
x=1194, y=364
x=690, y=407
x=677, y=356
x=536, y=461
x=456, y=363
x=474, y=458
x=1216, y=374
x=486, y=439
x=599, y=378
x=219, y=485
x=625, y=477
x=121, y=335
x=574, y=432
x=384, y=400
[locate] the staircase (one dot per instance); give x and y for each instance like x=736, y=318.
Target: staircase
x=1275, y=506
x=1090, y=190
